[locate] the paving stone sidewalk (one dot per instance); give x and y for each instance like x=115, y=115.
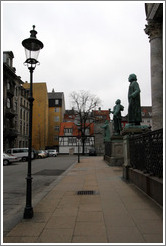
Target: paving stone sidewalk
x=117, y=212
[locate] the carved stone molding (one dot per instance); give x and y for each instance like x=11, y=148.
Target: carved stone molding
x=153, y=30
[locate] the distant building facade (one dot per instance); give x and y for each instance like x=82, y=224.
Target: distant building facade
x=69, y=115
x=99, y=117
x=40, y=115
x=70, y=140
x=56, y=111
x=15, y=106
x=146, y=112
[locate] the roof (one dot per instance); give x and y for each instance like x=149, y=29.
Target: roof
x=146, y=111
x=9, y=52
x=55, y=95
x=68, y=125
x=72, y=125
x=101, y=113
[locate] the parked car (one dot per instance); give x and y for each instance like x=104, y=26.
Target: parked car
x=52, y=152
x=47, y=154
x=7, y=159
x=92, y=152
x=20, y=153
x=42, y=154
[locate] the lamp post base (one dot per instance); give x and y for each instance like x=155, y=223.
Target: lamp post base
x=28, y=212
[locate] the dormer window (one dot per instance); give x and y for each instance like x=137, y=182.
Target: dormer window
x=68, y=131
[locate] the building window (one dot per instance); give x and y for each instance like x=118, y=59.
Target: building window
x=21, y=113
x=70, y=140
x=57, y=110
x=74, y=140
x=24, y=115
x=27, y=129
x=87, y=131
x=8, y=86
x=56, y=101
x=88, y=140
x=56, y=119
x=27, y=116
x=24, y=129
x=68, y=130
x=55, y=138
x=8, y=103
x=20, y=126
x=56, y=128
x=15, y=106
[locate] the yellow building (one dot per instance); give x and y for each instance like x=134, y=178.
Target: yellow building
x=56, y=112
x=40, y=115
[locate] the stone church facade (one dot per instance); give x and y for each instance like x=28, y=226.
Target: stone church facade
x=154, y=30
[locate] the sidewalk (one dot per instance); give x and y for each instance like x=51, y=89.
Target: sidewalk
x=117, y=212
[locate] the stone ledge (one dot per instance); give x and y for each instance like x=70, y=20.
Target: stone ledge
x=152, y=186
x=114, y=161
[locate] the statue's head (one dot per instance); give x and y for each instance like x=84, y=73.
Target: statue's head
x=118, y=101
x=132, y=77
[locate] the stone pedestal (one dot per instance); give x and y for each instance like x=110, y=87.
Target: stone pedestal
x=116, y=158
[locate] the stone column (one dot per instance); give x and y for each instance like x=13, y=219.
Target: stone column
x=154, y=30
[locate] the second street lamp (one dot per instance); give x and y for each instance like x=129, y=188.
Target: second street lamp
x=78, y=138
x=32, y=48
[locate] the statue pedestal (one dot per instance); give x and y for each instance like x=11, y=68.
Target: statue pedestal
x=116, y=152
x=133, y=129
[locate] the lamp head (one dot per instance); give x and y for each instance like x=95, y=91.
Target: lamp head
x=32, y=47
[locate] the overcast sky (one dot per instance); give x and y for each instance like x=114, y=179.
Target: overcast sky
x=88, y=45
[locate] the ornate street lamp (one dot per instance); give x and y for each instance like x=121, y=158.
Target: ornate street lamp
x=78, y=138
x=32, y=48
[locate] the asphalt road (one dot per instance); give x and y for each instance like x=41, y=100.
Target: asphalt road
x=45, y=172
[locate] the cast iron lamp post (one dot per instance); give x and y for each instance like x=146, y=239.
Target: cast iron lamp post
x=78, y=137
x=32, y=48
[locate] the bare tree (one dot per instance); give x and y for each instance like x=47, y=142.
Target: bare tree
x=83, y=104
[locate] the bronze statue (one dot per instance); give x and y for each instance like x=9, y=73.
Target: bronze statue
x=134, y=108
x=117, y=117
x=106, y=128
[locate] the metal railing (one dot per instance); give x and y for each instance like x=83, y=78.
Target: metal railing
x=146, y=152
